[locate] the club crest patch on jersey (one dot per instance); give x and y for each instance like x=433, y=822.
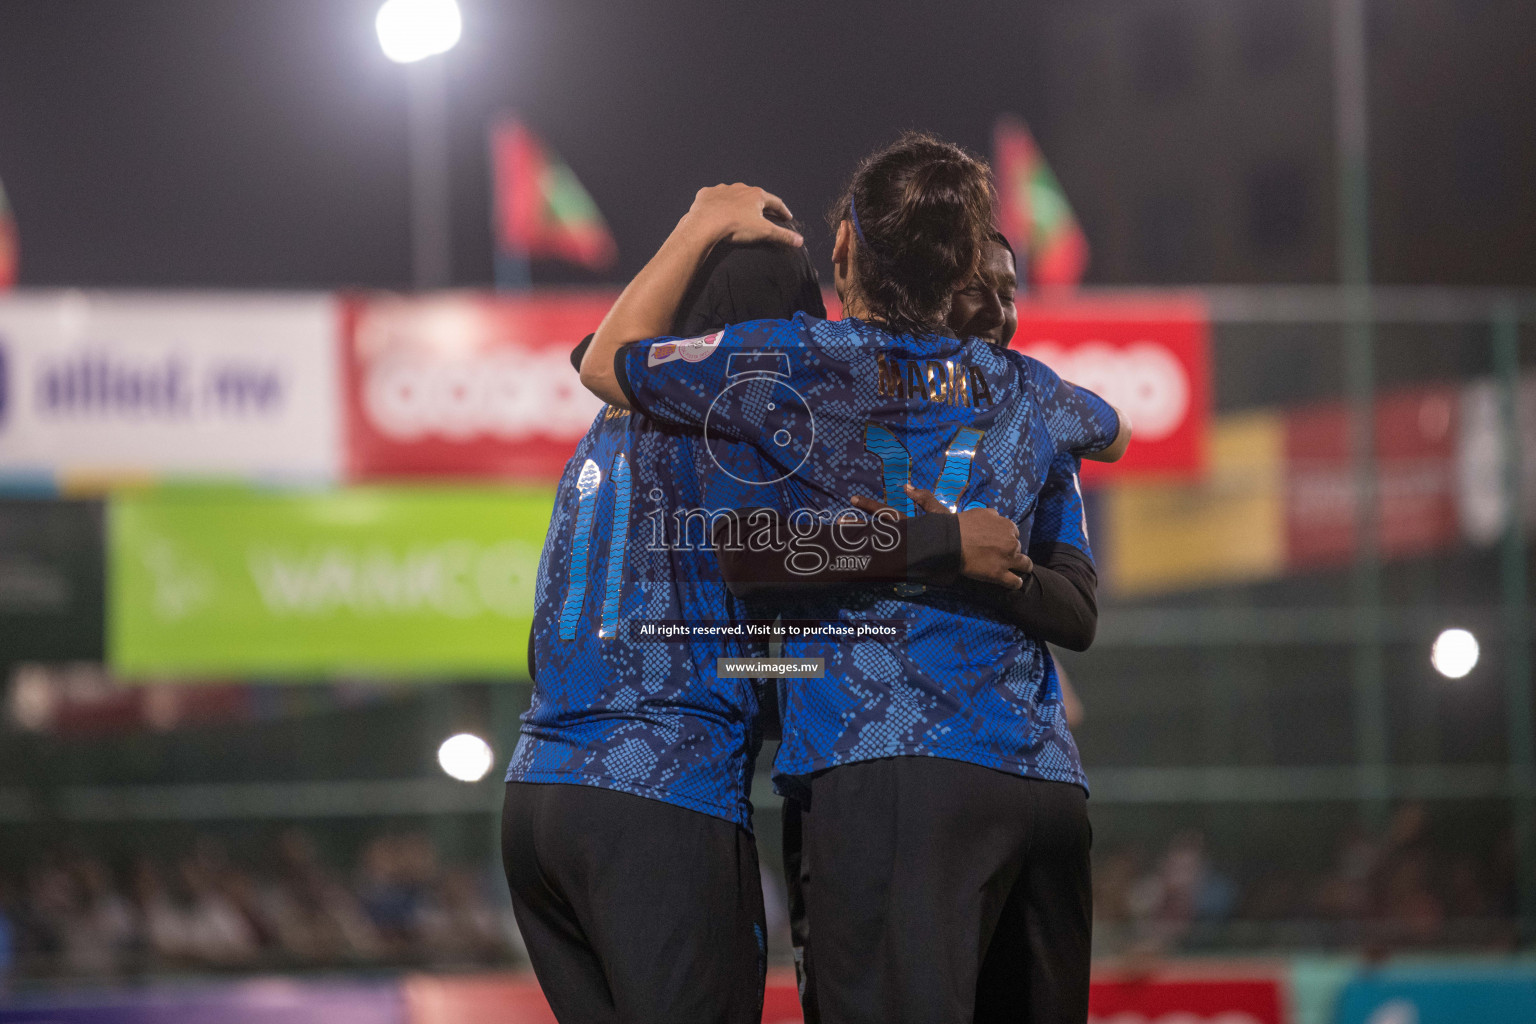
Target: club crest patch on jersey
x=689, y=350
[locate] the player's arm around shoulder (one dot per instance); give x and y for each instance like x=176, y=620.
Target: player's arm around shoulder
x=1049, y=388
x=1116, y=449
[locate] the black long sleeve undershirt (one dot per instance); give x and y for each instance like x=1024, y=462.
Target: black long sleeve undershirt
x=1057, y=603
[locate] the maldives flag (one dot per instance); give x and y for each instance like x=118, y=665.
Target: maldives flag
x=10, y=252
x=541, y=209
x=1033, y=211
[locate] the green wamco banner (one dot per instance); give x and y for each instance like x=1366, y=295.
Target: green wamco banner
x=386, y=582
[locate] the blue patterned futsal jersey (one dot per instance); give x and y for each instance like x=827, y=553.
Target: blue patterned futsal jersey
x=1059, y=515
x=611, y=708
x=833, y=409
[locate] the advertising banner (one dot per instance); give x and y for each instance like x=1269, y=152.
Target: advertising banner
x=82, y=699
x=1226, y=528
x=474, y=386
x=1482, y=457
x=51, y=593
x=106, y=387
x=517, y=999
x=1415, y=478
x=231, y=583
x=1429, y=996
x=1150, y=359
x=464, y=385
x=1181, y=1000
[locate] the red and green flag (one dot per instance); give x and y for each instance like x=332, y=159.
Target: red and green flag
x=10, y=249
x=1034, y=212
x=542, y=210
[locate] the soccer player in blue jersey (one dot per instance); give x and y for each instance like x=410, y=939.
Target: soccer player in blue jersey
x=1057, y=605
x=1039, y=947
x=953, y=731
x=626, y=825
x=986, y=309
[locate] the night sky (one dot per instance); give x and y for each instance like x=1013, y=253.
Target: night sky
x=237, y=143
x=263, y=143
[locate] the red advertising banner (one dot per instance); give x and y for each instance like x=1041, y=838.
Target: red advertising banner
x=1150, y=358
x=82, y=700
x=1162, y=1000
x=466, y=385
x=1416, y=478
x=517, y=999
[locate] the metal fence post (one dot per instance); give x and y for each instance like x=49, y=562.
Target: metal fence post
x=1517, y=624
x=1351, y=132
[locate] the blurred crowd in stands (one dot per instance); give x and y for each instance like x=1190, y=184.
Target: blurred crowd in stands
x=75, y=915
x=1396, y=889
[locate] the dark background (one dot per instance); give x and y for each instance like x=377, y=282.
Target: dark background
x=262, y=143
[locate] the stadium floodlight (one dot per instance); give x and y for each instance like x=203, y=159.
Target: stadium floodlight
x=412, y=30
x=465, y=756
x=1454, y=653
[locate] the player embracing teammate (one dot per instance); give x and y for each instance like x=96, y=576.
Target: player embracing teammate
x=943, y=804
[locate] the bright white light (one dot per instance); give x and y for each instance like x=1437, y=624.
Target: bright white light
x=1454, y=653
x=466, y=757
x=412, y=30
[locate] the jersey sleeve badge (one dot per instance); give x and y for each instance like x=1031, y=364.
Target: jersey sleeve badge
x=690, y=350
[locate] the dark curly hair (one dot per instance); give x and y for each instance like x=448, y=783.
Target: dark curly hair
x=923, y=212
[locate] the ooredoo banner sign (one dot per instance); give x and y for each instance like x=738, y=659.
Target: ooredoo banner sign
x=1149, y=358
x=95, y=386
x=463, y=385
x=237, y=583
